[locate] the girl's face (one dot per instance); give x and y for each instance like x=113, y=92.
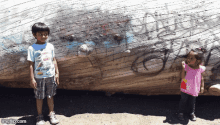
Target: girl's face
x=191, y=60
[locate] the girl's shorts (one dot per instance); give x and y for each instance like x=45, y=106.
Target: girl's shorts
x=47, y=85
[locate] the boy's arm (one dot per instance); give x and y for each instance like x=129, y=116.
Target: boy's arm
x=56, y=70
x=32, y=80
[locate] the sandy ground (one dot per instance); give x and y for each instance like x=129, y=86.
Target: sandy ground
x=94, y=108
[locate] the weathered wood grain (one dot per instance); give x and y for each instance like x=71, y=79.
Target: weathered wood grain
x=122, y=49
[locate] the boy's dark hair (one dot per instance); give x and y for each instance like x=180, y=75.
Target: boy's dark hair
x=40, y=27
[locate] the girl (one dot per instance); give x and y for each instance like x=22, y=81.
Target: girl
x=192, y=80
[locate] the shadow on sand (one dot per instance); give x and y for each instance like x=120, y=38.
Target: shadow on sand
x=21, y=102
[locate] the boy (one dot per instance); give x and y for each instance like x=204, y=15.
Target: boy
x=44, y=74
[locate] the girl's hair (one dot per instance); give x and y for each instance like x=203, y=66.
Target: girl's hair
x=199, y=53
x=40, y=27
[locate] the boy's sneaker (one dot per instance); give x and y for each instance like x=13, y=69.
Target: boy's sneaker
x=40, y=120
x=181, y=117
x=53, y=118
x=193, y=117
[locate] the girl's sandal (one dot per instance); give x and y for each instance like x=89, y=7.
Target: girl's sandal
x=180, y=116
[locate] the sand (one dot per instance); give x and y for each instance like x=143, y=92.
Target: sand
x=94, y=108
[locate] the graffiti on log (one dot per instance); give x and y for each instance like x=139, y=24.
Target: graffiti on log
x=112, y=49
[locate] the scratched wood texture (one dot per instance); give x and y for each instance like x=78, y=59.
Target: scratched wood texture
x=131, y=61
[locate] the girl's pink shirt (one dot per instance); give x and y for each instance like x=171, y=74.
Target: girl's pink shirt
x=193, y=77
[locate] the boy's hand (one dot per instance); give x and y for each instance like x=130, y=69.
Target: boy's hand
x=33, y=84
x=57, y=79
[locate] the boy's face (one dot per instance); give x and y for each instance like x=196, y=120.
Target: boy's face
x=41, y=36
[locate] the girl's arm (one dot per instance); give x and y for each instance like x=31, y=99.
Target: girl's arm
x=183, y=64
x=202, y=84
x=183, y=72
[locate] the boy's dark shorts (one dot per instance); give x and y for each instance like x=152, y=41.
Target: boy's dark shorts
x=45, y=87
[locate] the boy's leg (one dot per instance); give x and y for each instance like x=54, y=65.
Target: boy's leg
x=39, y=103
x=51, y=91
x=50, y=104
x=39, y=94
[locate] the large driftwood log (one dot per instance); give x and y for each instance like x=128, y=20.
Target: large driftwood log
x=113, y=51
x=111, y=73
